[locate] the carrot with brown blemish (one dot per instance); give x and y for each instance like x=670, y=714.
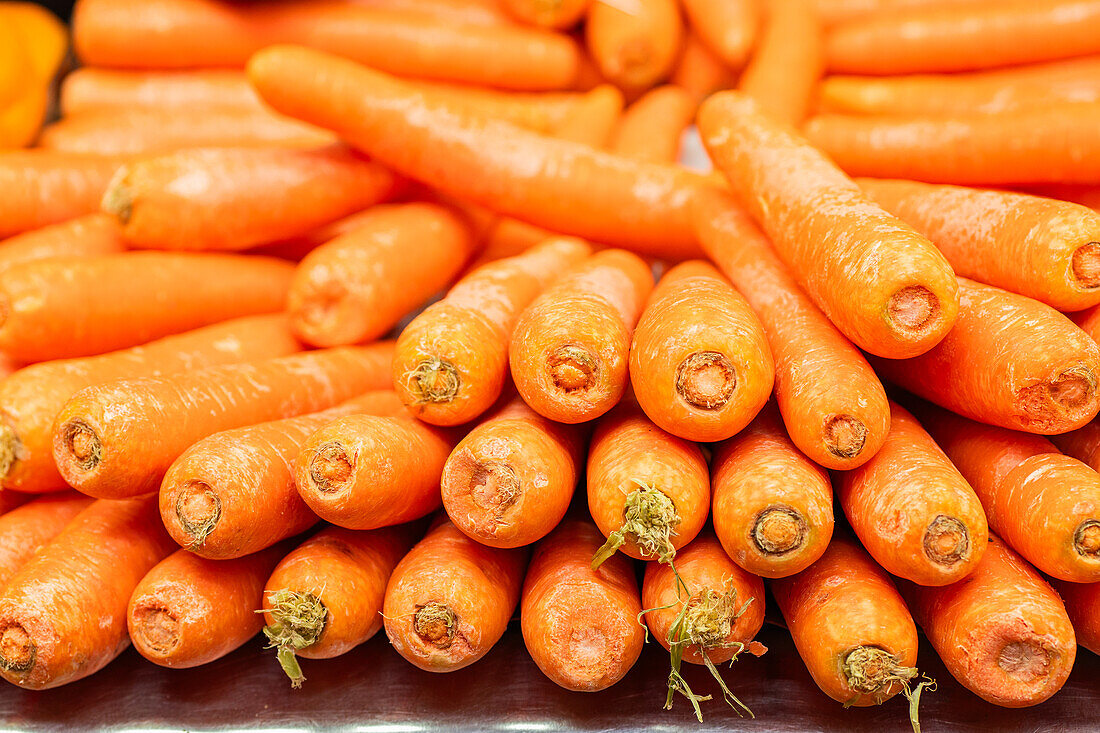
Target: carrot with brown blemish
x=25, y=529
x=43, y=187
x=1009, y=361
x=593, y=118
x=580, y=625
x=1083, y=608
x=727, y=27
x=95, y=88
x=557, y=14
x=833, y=404
x=699, y=71
x=325, y=597
x=85, y=236
x=885, y=286
x=1002, y=632
x=63, y=614
x=634, y=48
x=700, y=363
x=651, y=128
x=450, y=598
x=787, y=63
x=233, y=493
x=93, y=441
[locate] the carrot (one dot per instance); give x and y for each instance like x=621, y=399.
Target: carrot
x=835, y=12
x=295, y=249
x=325, y=597
x=115, y=301
x=1083, y=608
x=593, y=118
x=699, y=364
x=1009, y=361
x=772, y=506
x=1002, y=633
x=539, y=111
x=460, y=12
x=579, y=624
x=87, y=89
x=43, y=187
x=787, y=62
x=569, y=351
x=699, y=71
x=452, y=360
x=558, y=14
x=974, y=36
x=882, y=284
x=832, y=403
x=25, y=529
x=557, y=184
x=22, y=120
x=16, y=66
x=509, y=482
x=449, y=600
x=508, y=237
x=1045, y=249
x=94, y=443
x=63, y=614
x=233, y=493
x=648, y=491
x=727, y=27
x=1085, y=195
x=634, y=48
x=1045, y=505
x=31, y=398
x=237, y=198
x=10, y=500
x=45, y=37
x=651, y=128
x=84, y=236
x=189, y=610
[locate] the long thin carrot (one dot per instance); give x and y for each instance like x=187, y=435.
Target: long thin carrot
x=559, y=14
x=727, y=27
x=539, y=111
x=25, y=529
x=593, y=118
x=787, y=63
x=233, y=493
x=1009, y=361
x=699, y=71
x=115, y=301
x=101, y=436
x=700, y=363
x=43, y=187
x=833, y=404
x=898, y=304
x=325, y=597
x=31, y=398
x=84, y=236
x=1083, y=608
x=580, y=625
x=634, y=48
x=1002, y=633
x=449, y=600
x=63, y=614
x=188, y=610
x=563, y=186
x=772, y=507
x=651, y=128
x=92, y=88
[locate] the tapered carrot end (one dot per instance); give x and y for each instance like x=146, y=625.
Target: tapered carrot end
x=1087, y=538
x=1086, y=265
x=779, y=530
x=706, y=380
x=845, y=436
x=18, y=651
x=946, y=541
x=156, y=628
x=199, y=509
x=118, y=199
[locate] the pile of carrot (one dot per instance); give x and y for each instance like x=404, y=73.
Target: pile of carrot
x=315, y=316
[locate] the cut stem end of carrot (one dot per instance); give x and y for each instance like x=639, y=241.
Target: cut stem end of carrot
x=572, y=369
x=331, y=469
x=199, y=509
x=435, y=623
x=434, y=380
x=946, y=540
x=118, y=199
x=157, y=628
x=298, y=620
x=706, y=380
x=83, y=444
x=494, y=486
x=914, y=309
x=1071, y=394
x=845, y=436
x=779, y=530
x=873, y=671
x=10, y=448
x=1087, y=538
x=1086, y=265
x=1025, y=660
x=18, y=651
x=649, y=520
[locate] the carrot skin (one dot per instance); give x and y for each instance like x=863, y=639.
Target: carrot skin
x=95, y=88
x=1083, y=607
x=25, y=529
x=559, y=14
x=727, y=27
x=651, y=128
x=699, y=71
x=84, y=236
x=43, y=187
x=787, y=63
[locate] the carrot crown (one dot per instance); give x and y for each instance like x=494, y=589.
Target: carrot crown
x=650, y=520
x=298, y=622
x=873, y=671
x=434, y=380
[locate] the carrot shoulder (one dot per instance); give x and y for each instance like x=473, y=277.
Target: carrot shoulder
x=26, y=528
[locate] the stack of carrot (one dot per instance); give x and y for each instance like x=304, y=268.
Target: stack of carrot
x=226, y=393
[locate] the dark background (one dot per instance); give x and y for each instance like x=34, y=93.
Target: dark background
x=61, y=8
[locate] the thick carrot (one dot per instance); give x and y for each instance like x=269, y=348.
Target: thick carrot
x=84, y=236
x=727, y=27
x=699, y=71
x=651, y=128
x=787, y=62
x=580, y=625
x=43, y=187
x=452, y=360
x=189, y=610
x=237, y=198
x=557, y=184
x=295, y=249
x=1083, y=608
x=1088, y=321
x=706, y=611
x=833, y=404
x=115, y=301
x=101, y=437
x=882, y=284
x=1002, y=633
x=570, y=348
x=63, y=614
x=558, y=14
x=772, y=507
x=700, y=363
x=91, y=88
x=634, y=48
x=974, y=36
x=31, y=398
x=1039, y=247
x=325, y=597
x=511, y=479
x=25, y=529
x=835, y=12
x=233, y=493
x=449, y=600
x=1009, y=361
x=593, y=118
x=648, y=491
x=539, y=111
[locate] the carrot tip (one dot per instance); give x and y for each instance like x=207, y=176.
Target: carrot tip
x=1086, y=265
x=157, y=627
x=572, y=369
x=298, y=620
x=946, y=540
x=649, y=520
x=873, y=671
x=706, y=379
x=83, y=444
x=915, y=308
x=18, y=651
x=118, y=199
x=435, y=623
x=845, y=436
x=779, y=530
x=331, y=468
x=434, y=380
x=198, y=509
x=1087, y=538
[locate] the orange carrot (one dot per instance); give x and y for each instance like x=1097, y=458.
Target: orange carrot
x=452, y=360
x=229, y=198
x=835, y=12
x=699, y=364
x=727, y=27
x=579, y=624
x=45, y=37
x=325, y=597
x=508, y=237
x=449, y=600
x=22, y=120
x=295, y=249
x=115, y=301
x=634, y=48
x=63, y=614
x=25, y=529
x=1009, y=361
x=188, y=610
x=1083, y=608
x=787, y=63
x=651, y=128
x=87, y=89
x=772, y=506
x=557, y=184
x=699, y=71
x=233, y=493
x=559, y=14
x=593, y=118
x=569, y=351
x=43, y=187
x=1085, y=195
x=94, y=434
x=511, y=479
x=833, y=404
x=84, y=236
x=31, y=398
x=882, y=284
x=1002, y=633
x=539, y=111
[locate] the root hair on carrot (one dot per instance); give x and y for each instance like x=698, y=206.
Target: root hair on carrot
x=298, y=621
x=946, y=540
x=779, y=530
x=845, y=436
x=572, y=369
x=436, y=624
x=649, y=520
x=331, y=468
x=1086, y=265
x=199, y=509
x=18, y=652
x=1086, y=540
x=706, y=380
x=434, y=380
x=83, y=444
x=873, y=671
